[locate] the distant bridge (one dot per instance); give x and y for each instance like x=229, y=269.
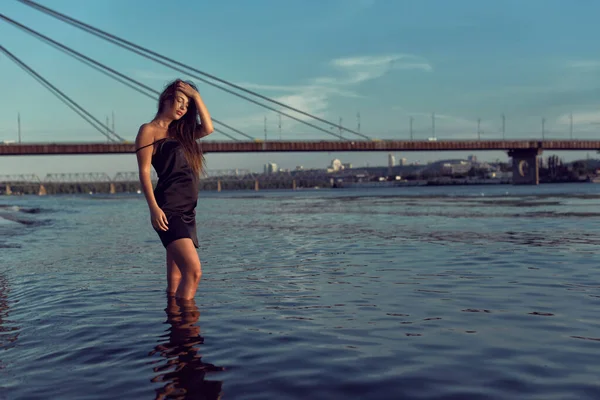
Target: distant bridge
x=523, y=152
x=82, y=182
x=102, y=177
x=309, y=146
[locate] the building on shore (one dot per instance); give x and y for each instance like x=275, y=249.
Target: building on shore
x=452, y=168
x=270, y=168
x=391, y=160
x=337, y=165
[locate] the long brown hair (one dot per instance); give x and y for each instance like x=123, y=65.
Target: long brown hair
x=184, y=128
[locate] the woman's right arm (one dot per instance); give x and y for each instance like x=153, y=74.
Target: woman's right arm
x=144, y=150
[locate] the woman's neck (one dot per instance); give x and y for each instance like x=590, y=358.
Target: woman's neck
x=162, y=122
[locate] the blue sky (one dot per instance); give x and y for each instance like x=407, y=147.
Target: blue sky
x=385, y=59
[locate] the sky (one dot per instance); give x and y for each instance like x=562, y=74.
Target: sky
x=376, y=63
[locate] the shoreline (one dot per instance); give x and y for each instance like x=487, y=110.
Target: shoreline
x=257, y=185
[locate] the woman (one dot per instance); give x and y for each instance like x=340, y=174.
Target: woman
x=168, y=143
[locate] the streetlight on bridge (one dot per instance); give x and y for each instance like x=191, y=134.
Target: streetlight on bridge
x=543, y=127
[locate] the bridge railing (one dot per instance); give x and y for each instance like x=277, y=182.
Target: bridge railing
x=77, y=177
x=20, y=178
x=132, y=177
x=119, y=177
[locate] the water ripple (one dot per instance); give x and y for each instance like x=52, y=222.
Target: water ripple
x=322, y=297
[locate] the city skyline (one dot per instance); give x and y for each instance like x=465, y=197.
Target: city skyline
x=380, y=159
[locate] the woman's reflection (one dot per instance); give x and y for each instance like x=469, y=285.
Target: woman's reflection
x=184, y=371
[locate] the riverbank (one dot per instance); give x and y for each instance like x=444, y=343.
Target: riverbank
x=253, y=185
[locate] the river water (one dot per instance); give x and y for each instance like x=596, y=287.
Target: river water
x=482, y=292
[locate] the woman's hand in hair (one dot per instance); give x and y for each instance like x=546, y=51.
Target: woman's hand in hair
x=187, y=90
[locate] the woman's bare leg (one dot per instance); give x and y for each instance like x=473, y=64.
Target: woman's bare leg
x=173, y=275
x=185, y=256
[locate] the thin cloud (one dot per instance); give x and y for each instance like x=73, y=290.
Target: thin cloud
x=582, y=119
x=448, y=126
x=584, y=64
x=390, y=59
x=270, y=88
x=298, y=88
x=456, y=121
x=315, y=96
x=363, y=68
x=154, y=76
x=309, y=99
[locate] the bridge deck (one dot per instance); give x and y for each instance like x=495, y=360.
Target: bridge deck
x=307, y=146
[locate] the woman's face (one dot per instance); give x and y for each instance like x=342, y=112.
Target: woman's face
x=179, y=105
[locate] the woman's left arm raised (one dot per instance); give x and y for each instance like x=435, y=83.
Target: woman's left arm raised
x=206, y=127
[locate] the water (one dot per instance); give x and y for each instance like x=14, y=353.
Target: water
x=410, y=293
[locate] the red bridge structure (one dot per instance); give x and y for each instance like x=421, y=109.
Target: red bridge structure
x=524, y=153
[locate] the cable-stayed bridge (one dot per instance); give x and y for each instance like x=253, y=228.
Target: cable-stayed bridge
x=340, y=138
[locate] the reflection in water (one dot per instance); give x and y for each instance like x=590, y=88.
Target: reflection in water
x=184, y=371
x=8, y=333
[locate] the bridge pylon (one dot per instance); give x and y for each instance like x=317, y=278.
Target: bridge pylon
x=525, y=166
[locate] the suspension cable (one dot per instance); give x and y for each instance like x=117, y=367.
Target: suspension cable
x=103, y=68
x=132, y=46
x=62, y=97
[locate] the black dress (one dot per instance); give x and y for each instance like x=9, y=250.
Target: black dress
x=176, y=192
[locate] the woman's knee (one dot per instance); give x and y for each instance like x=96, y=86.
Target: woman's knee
x=195, y=271
x=191, y=270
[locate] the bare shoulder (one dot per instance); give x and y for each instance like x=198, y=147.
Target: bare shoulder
x=145, y=134
x=145, y=137
x=146, y=129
